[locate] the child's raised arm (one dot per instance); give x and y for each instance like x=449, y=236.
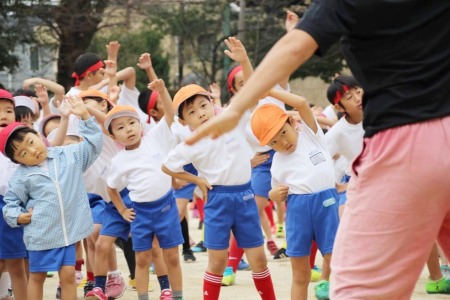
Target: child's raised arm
x=145, y=63
x=42, y=98
x=300, y=104
x=159, y=86
x=236, y=51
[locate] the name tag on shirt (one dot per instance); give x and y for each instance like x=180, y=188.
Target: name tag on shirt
x=316, y=157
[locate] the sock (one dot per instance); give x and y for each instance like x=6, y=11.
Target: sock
x=115, y=272
x=143, y=296
x=164, y=282
x=78, y=264
x=200, y=205
x=90, y=276
x=269, y=212
x=185, y=233
x=177, y=295
x=263, y=284
x=129, y=256
x=211, y=286
x=312, y=256
x=235, y=255
x=100, y=281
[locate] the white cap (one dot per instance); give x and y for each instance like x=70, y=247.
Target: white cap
x=27, y=102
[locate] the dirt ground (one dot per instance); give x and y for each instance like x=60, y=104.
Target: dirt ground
x=243, y=288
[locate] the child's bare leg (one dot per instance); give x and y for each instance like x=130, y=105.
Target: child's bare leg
x=68, y=286
x=112, y=258
x=433, y=264
x=256, y=258
x=158, y=259
x=326, y=269
x=18, y=274
x=172, y=260
x=143, y=260
x=301, y=274
x=103, y=245
x=35, y=287
x=261, y=202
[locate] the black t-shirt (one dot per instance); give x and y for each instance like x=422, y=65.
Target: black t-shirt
x=398, y=50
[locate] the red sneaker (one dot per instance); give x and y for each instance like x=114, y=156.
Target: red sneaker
x=96, y=294
x=166, y=295
x=272, y=247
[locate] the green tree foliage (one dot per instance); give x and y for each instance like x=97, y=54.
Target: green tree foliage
x=133, y=44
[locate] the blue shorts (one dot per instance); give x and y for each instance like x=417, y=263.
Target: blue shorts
x=52, y=259
x=187, y=191
x=232, y=208
x=97, y=205
x=343, y=195
x=113, y=223
x=160, y=218
x=311, y=217
x=261, y=177
x=11, y=241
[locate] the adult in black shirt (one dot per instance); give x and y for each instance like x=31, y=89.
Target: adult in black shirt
x=399, y=197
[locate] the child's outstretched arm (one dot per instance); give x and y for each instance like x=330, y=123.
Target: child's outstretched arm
x=64, y=110
x=238, y=53
x=42, y=98
x=57, y=89
x=111, y=73
x=127, y=213
x=300, y=104
x=159, y=86
x=202, y=184
x=145, y=63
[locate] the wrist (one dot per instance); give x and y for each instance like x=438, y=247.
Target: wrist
x=85, y=116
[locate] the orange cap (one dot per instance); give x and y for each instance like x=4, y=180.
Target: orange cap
x=95, y=94
x=120, y=111
x=187, y=92
x=267, y=121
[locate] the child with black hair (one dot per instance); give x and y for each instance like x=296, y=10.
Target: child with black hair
x=46, y=194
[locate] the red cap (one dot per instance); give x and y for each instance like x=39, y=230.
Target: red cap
x=4, y=94
x=6, y=133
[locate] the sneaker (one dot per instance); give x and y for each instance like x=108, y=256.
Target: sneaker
x=132, y=285
x=152, y=269
x=280, y=231
x=89, y=286
x=315, y=275
x=272, y=247
x=445, y=271
x=58, y=292
x=50, y=274
x=199, y=247
x=322, y=290
x=95, y=294
x=280, y=254
x=441, y=286
x=78, y=277
x=166, y=295
x=83, y=282
x=115, y=286
x=243, y=265
x=228, y=277
x=188, y=256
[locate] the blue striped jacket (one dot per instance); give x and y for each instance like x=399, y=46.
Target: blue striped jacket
x=61, y=213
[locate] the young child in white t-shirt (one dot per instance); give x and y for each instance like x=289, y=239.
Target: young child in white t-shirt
x=303, y=175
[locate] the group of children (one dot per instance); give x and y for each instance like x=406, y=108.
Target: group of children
x=109, y=164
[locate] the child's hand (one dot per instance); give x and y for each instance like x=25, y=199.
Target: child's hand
x=78, y=108
x=128, y=214
x=214, y=90
x=114, y=93
x=25, y=218
x=63, y=108
x=41, y=93
x=204, y=186
x=236, y=50
x=279, y=193
x=258, y=159
x=145, y=61
x=291, y=20
x=157, y=85
x=110, y=68
x=113, y=49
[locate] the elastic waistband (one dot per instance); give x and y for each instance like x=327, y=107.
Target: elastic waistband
x=154, y=203
x=231, y=188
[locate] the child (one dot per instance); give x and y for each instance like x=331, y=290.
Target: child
x=302, y=174
x=47, y=195
x=223, y=167
x=12, y=248
x=345, y=138
x=138, y=167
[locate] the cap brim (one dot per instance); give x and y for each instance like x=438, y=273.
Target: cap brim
x=273, y=131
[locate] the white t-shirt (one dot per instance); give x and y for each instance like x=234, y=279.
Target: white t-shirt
x=329, y=112
x=309, y=169
x=180, y=132
x=223, y=161
x=345, y=139
x=96, y=176
x=140, y=169
x=7, y=168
